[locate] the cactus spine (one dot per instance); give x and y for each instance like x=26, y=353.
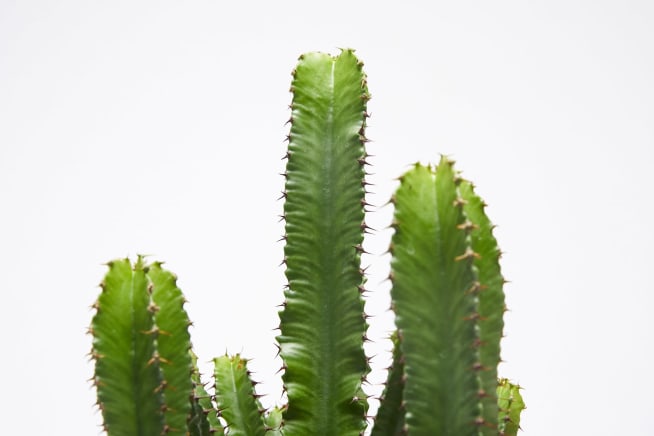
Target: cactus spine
x=446, y=293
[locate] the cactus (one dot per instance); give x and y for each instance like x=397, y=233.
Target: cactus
x=446, y=294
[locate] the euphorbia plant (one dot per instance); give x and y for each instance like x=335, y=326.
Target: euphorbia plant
x=446, y=292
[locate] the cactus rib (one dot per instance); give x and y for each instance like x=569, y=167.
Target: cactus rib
x=490, y=302
x=203, y=420
x=173, y=343
x=390, y=416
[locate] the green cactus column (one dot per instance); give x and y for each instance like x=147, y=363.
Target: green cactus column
x=322, y=327
x=434, y=298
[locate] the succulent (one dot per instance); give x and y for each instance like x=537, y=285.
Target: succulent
x=446, y=295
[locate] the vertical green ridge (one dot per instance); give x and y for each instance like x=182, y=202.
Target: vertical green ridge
x=390, y=415
x=173, y=343
x=491, y=304
x=435, y=304
x=127, y=374
x=235, y=397
x=511, y=405
x=203, y=420
x=322, y=325
x=198, y=422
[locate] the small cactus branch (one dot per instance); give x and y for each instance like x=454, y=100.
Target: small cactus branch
x=390, y=416
x=127, y=375
x=491, y=304
x=510, y=405
x=322, y=329
x=432, y=275
x=273, y=421
x=235, y=397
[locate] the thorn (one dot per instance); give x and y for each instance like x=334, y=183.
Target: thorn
x=469, y=254
x=477, y=366
x=467, y=226
x=475, y=316
x=475, y=288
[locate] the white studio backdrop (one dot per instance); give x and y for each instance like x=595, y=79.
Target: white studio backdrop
x=157, y=128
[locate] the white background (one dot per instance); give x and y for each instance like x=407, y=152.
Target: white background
x=157, y=128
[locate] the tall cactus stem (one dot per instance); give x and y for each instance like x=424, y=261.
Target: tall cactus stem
x=321, y=329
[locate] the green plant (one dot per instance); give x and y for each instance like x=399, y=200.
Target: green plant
x=446, y=292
